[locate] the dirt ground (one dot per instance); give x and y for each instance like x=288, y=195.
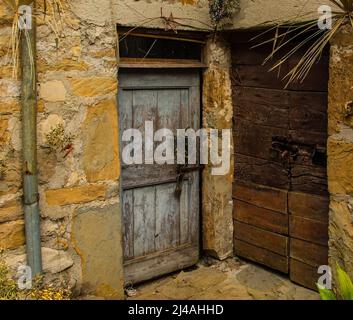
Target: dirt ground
x=232, y=279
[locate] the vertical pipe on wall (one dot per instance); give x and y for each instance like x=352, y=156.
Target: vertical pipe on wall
x=29, y=149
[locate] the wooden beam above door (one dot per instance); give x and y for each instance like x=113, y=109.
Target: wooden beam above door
x=160, y=63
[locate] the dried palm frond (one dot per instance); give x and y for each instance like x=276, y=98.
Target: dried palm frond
x=49, y=11
x=286, y=33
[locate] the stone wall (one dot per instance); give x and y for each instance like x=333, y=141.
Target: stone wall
x=79, y=191
x=340, y=150
x=194, y=14
x=11, y=216
x=79, y=187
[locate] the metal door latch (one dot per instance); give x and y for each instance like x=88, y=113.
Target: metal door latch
x=288, y=149
x=182, y=171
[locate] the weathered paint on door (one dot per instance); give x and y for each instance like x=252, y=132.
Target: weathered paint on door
x=160, y=227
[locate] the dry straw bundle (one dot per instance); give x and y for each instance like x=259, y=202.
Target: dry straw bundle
x=49, y=12
x=317, y=39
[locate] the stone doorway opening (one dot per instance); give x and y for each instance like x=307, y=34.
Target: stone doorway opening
x=280, y=198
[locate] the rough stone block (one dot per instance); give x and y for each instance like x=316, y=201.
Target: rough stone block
x=10, y=107
x=340, y=167
x=4, y=135
x=4, y=42
x=96, y=234
x=12, y=234
x=63, y=65
x=11, y=212
x=82, y=194
x=93, y=86
x=53, y=91
x=53, y=261
x=6, y=72
x=341, y=234
x=100, y=131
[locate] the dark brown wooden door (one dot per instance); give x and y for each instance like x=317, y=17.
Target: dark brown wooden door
x=280, y=189
x=160, y=225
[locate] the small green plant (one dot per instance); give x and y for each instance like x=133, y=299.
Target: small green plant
x=222, y=10
x=345, y=288
x=59, y=141
x=9, y=289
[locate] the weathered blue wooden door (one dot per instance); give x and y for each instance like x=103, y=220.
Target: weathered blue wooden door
x=160, y=227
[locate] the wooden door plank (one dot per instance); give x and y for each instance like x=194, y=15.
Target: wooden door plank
x=317, y=79
x=308, y=230
x=303, y=274
x=308, y=253
x=242, y=54
x=128, y=224
x=255, y=140
x=185, y=214
x=160, y=264
x=309, y=206
x=261, y=196
x=167, y=217
x=195, y=207
x=248, y=69
x=144, y=221
x=313, y=138
x=169, y=103
x=259, y=171
x=125, y=108
x=194, y=107
x=261, y=106
x=137, y=175
x=256, y=76
x=184, y=114
x=145, y=104
x=261, y=238
x=259, y=217
x=309, y=179
x=308, y=111
x=144, y=108
x=157, y=79
x=261, y=255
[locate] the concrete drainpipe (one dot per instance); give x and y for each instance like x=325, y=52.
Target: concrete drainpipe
x=29, y=148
